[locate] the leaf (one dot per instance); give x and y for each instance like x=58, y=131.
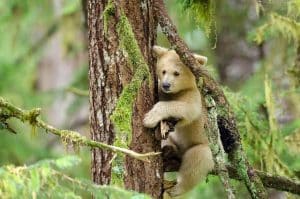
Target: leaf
x=67, y=162
x=35, y=180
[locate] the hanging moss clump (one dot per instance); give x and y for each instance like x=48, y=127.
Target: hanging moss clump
x=121, y=116
x=202, y=11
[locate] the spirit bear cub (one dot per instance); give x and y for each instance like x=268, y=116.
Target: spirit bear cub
x=180, y=98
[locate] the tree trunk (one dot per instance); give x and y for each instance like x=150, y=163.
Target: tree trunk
x=105, y=72
x=141, y=176
x=108, y=74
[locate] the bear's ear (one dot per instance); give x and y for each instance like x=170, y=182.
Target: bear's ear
x=159, y=51
x=201, y=59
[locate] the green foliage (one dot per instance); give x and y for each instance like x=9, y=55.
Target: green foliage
x=290, y=128
x=202, y=11
x=22, y=25
x=70, y=7
x=278, y=25
x=293, y=9
x=122, y=114
x=260, y=133
x=274, y=144
x=15, y=18
x=46, y=179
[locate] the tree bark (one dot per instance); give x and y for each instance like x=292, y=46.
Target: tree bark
x=107, y=76
x=140, y=176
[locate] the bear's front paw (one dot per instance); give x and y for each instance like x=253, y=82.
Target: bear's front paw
x=175, y=191
x=150, y=120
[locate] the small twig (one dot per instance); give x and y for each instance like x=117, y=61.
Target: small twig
x=68, y=136
x=6, y=126
x=78, y=91
x=36, y=46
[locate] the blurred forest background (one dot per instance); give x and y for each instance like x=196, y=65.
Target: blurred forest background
x=253, y=48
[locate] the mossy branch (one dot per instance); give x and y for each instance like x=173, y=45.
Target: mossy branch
x=226, y=120
x=8, y=110
x=271, y=181
x=213, y=134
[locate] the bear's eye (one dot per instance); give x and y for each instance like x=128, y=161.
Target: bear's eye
x=176, y=73
x=164, y=72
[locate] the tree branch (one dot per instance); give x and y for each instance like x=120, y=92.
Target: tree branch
x=271, y=181
x=77, y=91
x=276, y=182
x=8, y=110
x=226, y=121
x=213, y=134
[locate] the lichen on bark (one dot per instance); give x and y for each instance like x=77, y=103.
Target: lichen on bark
x=216, y=147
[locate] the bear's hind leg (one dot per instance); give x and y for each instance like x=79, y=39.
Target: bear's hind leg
x=196, y=163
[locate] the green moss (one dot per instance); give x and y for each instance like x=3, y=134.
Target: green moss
x=31, y=116
x=108, y=11
x=72, y=138
x=277, y=25
x=129, y=44
x=121, y=116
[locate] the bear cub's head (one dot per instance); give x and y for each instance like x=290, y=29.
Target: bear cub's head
x=173, y=75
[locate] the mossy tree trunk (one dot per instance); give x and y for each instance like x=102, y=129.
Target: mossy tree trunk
x=141, y=176
x=109, y=73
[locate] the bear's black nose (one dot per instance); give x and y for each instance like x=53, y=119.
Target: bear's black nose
x=166, y=86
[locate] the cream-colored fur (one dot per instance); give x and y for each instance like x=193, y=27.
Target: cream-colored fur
x=182, y=100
